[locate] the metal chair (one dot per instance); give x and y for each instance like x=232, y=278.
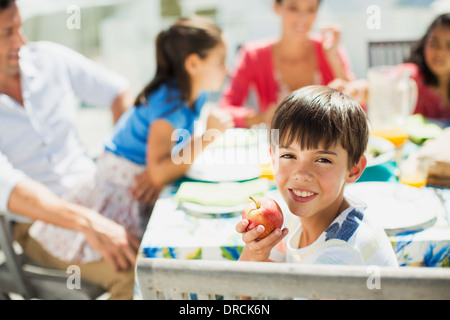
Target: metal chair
x=389, y=52
x=21, y=277
x=161, y=279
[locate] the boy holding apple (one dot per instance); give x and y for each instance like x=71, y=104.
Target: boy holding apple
x=322, y=137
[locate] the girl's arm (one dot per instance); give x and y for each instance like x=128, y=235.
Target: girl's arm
x=163, y=166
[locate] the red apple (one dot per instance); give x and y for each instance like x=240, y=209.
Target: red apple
x=263, y=211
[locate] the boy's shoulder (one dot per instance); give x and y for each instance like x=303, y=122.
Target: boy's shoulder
x=355, y=228
x=346, y=224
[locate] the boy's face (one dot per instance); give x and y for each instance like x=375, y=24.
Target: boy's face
x=312, y=181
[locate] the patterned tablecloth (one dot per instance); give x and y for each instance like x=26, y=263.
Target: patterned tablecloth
x=172, y=233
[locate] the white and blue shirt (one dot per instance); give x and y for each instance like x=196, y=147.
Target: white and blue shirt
x=351, y=239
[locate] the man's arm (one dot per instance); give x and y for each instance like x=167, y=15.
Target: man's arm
x=34, y=200
x=93, y=83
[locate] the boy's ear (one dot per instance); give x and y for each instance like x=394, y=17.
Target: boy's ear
x=357, y=170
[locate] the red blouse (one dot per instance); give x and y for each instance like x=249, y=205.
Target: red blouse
x=255, y=69
x=429, y=104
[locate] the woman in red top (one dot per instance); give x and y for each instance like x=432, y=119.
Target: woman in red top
x=276, y=67
x=430, y=67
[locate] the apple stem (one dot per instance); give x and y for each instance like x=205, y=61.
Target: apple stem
x=256, y=203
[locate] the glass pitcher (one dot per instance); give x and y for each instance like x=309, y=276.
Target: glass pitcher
x=392, y=98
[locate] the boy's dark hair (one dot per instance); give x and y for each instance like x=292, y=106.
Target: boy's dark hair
x=4, y=4
x=187, y=36
x=318, y=114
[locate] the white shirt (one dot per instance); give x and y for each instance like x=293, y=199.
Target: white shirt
x=39, y=140
x=351, y=239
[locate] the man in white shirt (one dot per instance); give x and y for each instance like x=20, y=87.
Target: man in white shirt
x=41, y=156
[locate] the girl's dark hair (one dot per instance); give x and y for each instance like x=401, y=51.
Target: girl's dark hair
x=194, y=35
x=418, y=51
x=318, y=114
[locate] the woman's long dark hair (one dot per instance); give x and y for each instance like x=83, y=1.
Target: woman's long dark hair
x=194, y=35
x=418, y=51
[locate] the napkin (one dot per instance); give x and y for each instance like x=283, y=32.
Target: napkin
x=223, y=193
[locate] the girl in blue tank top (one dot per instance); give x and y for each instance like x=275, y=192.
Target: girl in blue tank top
x=139, y=157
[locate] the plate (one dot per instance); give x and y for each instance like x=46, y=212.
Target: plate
x=235, y=156
x=385, y=151
x=219, y=172
x=397, y=208
x=211, y=211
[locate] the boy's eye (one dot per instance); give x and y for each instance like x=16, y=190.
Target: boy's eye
x=323, y=160
x=287, y=156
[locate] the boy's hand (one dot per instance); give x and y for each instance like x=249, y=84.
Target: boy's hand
x=258, y=250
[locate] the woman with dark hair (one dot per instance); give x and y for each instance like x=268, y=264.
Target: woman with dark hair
x=429, y=66
x=276, y=67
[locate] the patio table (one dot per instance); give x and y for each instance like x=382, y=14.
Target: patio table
x=174, y=233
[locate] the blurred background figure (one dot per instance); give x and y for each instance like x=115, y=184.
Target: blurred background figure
x=41, y=156
x=116, y=34
x=276, y=67
x=137, y=162
x=429, y=66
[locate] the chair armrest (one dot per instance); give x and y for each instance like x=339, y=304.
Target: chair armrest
x=13, y=262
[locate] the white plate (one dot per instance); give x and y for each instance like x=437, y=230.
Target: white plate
x=234, y=156
x=395, y=207
x=223, y=172
x=384, y=146
x=211, y=211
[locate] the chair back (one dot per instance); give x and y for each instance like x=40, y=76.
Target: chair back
x=21, y=277
x=388, y=53
x=160, y=278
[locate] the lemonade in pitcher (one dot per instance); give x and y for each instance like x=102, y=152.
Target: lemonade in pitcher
x=392, y=98
x=396, y=135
